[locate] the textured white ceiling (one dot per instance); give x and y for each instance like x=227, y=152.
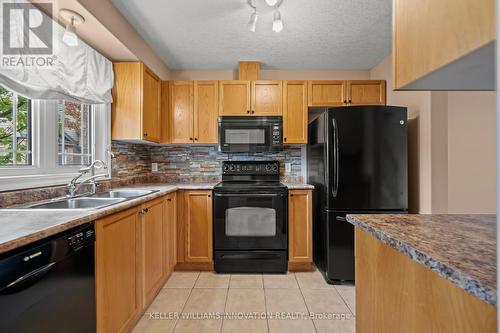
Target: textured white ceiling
x=212, y=34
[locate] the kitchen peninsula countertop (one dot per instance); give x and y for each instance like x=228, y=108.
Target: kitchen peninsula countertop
x=459, y=248
x=20, y=226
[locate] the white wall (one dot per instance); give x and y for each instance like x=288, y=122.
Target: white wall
x=451, y=147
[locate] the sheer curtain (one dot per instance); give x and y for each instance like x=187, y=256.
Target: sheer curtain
x=77, y=73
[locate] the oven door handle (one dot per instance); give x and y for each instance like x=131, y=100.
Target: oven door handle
x=250, y=194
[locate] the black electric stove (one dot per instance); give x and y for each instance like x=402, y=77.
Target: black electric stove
x=250, y=219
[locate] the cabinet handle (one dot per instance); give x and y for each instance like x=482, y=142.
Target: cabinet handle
x=284, y=139
x=195, y=139
x=350, y=101
x=191, y=139
x=248, y=111
x=145, y=134
x=209, y=195
x=169, y=199
x=253, y=111
x=291, y=195
x=345, y=101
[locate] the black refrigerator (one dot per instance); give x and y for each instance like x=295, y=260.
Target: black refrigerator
x=357, y=162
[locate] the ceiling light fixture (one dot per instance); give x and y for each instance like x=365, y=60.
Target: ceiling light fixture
x=72, y=19
x=252, y=24
x=272, y=3
x=277, y=22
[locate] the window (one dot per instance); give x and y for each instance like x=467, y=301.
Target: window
x=74, y=129
x=46, y=142
x=15, y=129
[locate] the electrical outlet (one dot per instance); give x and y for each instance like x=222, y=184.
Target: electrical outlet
x=154, y=167
x=288, y=167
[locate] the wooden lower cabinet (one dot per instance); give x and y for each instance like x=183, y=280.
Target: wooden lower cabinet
x=152, y=252
x=194, y=230
x=170, y=233
x=300, y=230
x=397, y=294
x=135, y=255
x=118, y=292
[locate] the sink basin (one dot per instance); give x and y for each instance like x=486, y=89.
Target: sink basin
x=127, y=194
x=77, y=203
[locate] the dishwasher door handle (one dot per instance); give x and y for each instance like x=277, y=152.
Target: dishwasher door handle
x=27, y=277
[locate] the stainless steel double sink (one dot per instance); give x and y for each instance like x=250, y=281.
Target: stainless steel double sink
x=92, y=201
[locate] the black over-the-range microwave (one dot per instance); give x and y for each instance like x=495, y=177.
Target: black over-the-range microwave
x=250, y=134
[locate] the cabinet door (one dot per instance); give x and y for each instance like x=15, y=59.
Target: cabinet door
x=371, y=92
x=165, y=113
x=206, y=111
x=300, y=226
x=198, y=226
x=169, y=234
x=152, y=254
x=267, y=98
x=181, y=111
x=295, y=119
x=234, y=98
x=327, y=93
x=151, y=106
x=118, y=293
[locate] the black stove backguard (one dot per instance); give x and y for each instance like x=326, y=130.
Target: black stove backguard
x=250, y=219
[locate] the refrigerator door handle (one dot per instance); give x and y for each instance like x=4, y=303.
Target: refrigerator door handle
x=335, y=188
x=341, y=218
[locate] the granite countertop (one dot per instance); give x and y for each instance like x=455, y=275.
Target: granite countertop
x=459, y=248
x=298, y=186
x=20, y=226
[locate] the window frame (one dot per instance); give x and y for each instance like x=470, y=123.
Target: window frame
x=45, y=170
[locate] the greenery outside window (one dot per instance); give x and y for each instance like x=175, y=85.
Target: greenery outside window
x=46, y=142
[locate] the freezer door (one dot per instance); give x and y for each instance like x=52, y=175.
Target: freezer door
x=340, y=252
x=367, y=158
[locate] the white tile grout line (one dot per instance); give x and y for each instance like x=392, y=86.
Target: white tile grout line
x=265, y=303
x=225, y=303
x=343, y=300
x=304, y=299
x=187, y=299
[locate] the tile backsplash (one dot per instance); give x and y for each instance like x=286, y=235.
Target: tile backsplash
x=194, y=163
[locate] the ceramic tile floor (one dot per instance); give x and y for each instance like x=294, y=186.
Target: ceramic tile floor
x=210, y=302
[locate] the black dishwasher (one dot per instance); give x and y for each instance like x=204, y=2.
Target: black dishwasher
x=48, y=286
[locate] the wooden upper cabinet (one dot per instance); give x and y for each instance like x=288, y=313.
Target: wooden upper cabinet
x=181, y=111
x=118, y=293
x=135, y=111
x=267, y=98
x=431, y=38
x=206, y=103
x=165, y=113
x=152, y=252
x=300, y=226
x=366, y=92
x=234, y=98
x=327, y=93
x=198, y=226
x=151, y=106
x=295, y=117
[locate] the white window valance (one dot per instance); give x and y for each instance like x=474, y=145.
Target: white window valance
x=77, y=73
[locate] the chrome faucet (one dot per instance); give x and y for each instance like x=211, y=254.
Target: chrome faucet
x=73, y=186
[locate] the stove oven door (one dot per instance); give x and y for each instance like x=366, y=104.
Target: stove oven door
x=250, y=221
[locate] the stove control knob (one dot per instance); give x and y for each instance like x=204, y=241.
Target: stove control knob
x=232, y=167
x=268, y=167
x=275, y=167
x=226, y=167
